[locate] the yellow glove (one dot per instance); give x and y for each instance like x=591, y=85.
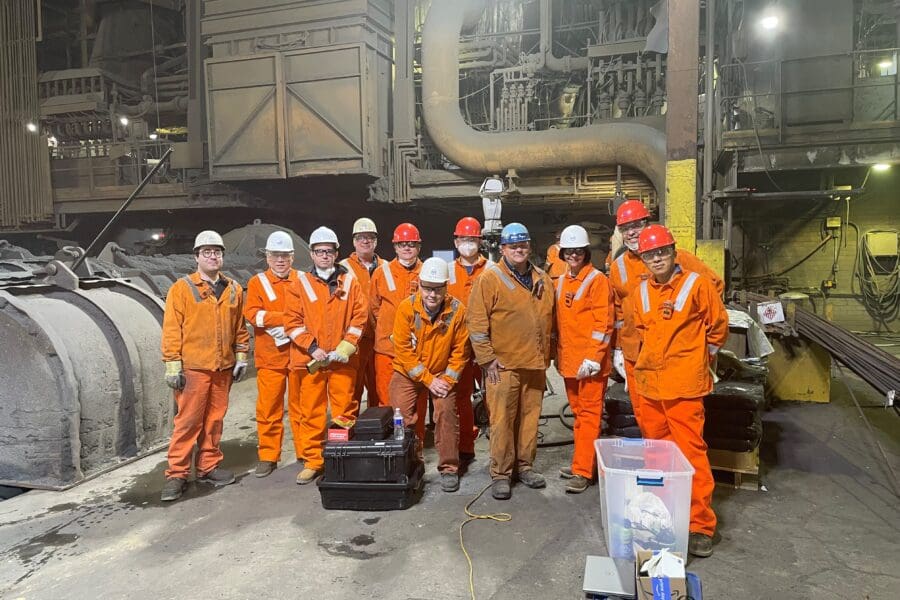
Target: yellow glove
x=345, y=349
x=314, y=365
x=175, y=375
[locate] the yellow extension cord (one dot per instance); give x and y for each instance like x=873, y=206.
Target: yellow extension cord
x=501, y=517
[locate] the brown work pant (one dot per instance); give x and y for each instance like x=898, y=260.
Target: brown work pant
x=201, y=410
x=515, y=408
x=411, y=398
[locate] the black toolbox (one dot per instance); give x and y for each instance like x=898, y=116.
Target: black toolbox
x=351, y=495
x=371, y=461
x=375, y=423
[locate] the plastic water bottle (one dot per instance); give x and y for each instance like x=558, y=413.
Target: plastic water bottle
x=398, y=424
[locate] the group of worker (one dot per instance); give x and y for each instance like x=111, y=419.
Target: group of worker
x=406, y=330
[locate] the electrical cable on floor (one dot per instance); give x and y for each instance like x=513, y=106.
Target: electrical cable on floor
x=499, y=517
x=872, y=439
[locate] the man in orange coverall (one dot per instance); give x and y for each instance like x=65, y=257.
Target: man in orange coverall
x=264, y=309
x=431, y=346
x=626, y=272
x=326, y=314
x=463, y=272
x=554, y=264
x=391, y=284
x=584, y=325
x=361, y=264
x=681, y=323
x=204, y=345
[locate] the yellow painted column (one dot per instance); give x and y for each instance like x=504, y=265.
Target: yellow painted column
x=681, y=202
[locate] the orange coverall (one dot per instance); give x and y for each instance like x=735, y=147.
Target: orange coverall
x=366, y=351
x=425, y=350
x=584, y=324
x=512, y=324
x=681, y=324
x=460, y=286
x=204, y=333
x=625, y=274
x=555, y=265
x=319, y=315
x=264, y=310
x=391, y=284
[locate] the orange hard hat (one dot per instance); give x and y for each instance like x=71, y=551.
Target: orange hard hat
x=631, y=210
x=468, y=227
x=406, y=232
x=653, y=237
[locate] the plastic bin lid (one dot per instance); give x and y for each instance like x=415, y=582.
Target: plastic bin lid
x=615, y=454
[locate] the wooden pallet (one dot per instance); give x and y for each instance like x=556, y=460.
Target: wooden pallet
x=741, y=468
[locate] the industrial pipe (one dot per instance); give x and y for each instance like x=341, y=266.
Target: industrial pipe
x=548, y=59
x=632, y=144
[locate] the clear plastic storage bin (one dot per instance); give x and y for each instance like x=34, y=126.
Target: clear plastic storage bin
x=645, y=495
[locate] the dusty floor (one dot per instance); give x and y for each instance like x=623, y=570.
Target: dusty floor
x=825, y=529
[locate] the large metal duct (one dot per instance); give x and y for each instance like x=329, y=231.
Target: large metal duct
x=635, y=145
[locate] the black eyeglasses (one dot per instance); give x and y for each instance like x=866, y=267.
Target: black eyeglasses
x=324, y=251
x=211, y=252
x=407, y=244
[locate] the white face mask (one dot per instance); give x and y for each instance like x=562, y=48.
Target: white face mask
x=633, y=246
x=468, y=249
x=406, y=263
x=324, y=273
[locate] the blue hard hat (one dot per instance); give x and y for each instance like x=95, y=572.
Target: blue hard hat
x=514, y=233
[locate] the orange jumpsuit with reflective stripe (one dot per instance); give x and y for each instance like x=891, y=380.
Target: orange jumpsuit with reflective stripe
x=264, y=310
x=391, y=284
x=511, y=323
x=556, y=266
x=681, y=324
x=321, y=315
x=626, y=272
x=204, y=333
x=426, y=349
x=584, y=322
x=366, y=351
x=460, y=286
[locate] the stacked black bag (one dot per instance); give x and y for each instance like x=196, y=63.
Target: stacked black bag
x=620, y=419
x=734, y=416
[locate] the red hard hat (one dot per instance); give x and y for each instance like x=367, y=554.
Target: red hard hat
x=653, y=237
x=631, y=210
x=468, y=227
x=406, y=232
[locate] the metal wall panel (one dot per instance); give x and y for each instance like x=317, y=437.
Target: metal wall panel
x=244, y=116
x=327, y=115
x=25, y=195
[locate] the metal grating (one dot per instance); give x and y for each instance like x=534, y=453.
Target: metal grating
x=25, y=195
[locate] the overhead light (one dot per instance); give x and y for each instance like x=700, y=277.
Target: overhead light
x=769, y=22
x=153, y=136
x=123, y=121
x=881, y=167
x=31, y=127
x=886, y=64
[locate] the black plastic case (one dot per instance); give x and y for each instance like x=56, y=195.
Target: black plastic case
x=375, y=423
x=371, y=461
x=349, y=495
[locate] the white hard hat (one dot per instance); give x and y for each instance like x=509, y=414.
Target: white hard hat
x=323, y=235
x=574, y=236
x=434, y=270
x=280, y=241
x=208, y=238
x=364, y=225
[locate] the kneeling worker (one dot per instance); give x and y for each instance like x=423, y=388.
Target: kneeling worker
x=682, y=323
x=431, y=346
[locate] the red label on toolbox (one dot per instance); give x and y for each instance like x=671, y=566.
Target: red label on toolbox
x=338, y=435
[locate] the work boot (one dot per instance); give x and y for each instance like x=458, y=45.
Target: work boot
x=566, y=473
x=307, y=476
x=700, y=545
x=532, y=479
x=172, y=489
x=500, y=489
x=577, y=484
x=218, y=477
x=449, y=482
x=264, y=468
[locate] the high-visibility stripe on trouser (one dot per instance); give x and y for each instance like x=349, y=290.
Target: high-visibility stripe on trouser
x=681, y=421
x=515, y=408
x=637, y=400
x=586, y=399
x=271, y=385
x=366, y=377
x=201, y=409
x=464, y=389
x=384, y=370
x=412, y=400
x=333, y=386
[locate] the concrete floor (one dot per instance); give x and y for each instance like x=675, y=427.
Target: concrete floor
x=826, y=529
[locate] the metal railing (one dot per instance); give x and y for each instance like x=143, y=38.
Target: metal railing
x=92, y=165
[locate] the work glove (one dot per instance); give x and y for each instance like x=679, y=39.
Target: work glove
x=175, y=375
x=345, y=350
x=314, y=365
x=240, y=365
x=588, y=368
x=279, y=335
x=619, y=364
